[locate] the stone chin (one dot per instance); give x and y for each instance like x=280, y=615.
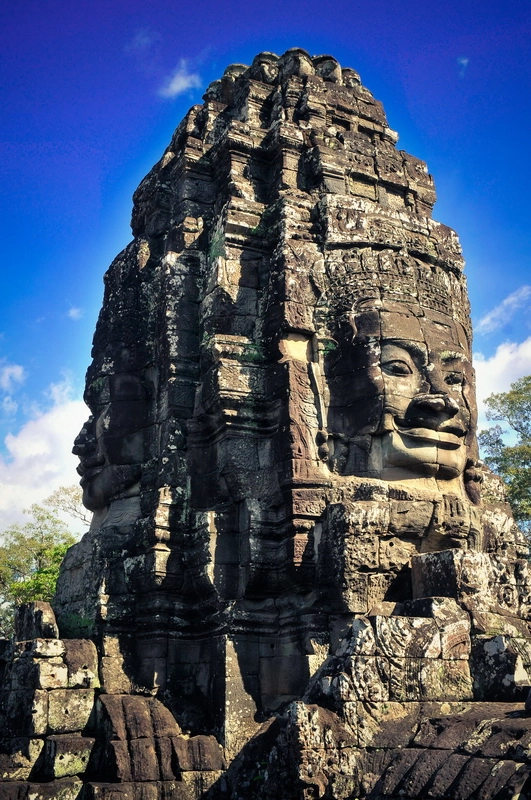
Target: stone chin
x=103, y=485
x=421, y=453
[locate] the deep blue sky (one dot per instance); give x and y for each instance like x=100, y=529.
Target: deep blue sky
x=84, y=117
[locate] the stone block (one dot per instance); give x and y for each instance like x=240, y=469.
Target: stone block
x=359, y=640
x=491, y=624
x=364, y=678
x=51, y=673
x=429, y=679
x=198, y=783
x=507, y=779
x=62, y=789
x=114, y=679
x=407, y=519
x=506, y=736
x=419, y=777
x=117, y=761
x=41, y=648
x=23, y=674
x=66, y=755
x=69, y=709
x=166, y=758
x=164, y=723
x=198, y=753
x=453, y=573
x=455, y=640
x=386, y=724
x=452, y=621
x=500, y=668
x=137, y=717
x=159, y=790
x=144, y=761
x=407, y=637
x=395, y=553
x=81, y=659
x=109, y=791
x=110, y=716
x=26, y=713
x=18, y=757
x=35, y=621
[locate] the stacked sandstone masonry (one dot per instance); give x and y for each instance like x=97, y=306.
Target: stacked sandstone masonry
x=299, y=581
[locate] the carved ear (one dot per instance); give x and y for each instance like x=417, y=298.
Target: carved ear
x=473, y=480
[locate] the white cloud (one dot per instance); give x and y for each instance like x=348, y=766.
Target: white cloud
x=39, y=456
x=142, y=40
x=502, y=313
x=511, y=361
x=9, y=406
x=11, y=374
x=462, y=63
x=74, y=313
x=180, y=81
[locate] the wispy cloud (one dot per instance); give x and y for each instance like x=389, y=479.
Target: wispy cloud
x=462, y=63
x=502, y=313
x=143, y=40
x=74, y=313
x=10, y=376
x=9, y=406
x=180, y=81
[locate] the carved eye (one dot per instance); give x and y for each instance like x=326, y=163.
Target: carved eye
x=454, y=378
x=397, y=367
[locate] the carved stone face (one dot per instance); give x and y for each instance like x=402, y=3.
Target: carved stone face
x=425, y=414
x=407, y=391
x=111, y=444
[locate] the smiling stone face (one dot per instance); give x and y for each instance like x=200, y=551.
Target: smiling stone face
x=425, y=414
x=402, y=394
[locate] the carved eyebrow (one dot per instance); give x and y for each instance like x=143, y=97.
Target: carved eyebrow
x=451, y=355
x=412, y=348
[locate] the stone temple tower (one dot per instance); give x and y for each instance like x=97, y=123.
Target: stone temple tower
x=299, y=581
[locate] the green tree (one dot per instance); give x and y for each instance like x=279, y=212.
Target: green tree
x=30, y=557
x=512, y=461
x=68, y=500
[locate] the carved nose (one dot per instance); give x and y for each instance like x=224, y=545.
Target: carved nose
x=439, y=403
x=85, y=441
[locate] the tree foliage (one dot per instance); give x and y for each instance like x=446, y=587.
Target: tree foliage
x=30, y=557
x=68, y=500
x=512, y=461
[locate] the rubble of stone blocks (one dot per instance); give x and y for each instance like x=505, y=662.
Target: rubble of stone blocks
x=64, y=736
x=419, y=702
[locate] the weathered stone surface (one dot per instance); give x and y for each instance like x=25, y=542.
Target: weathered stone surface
x=62, y=789
x=35, y=621
x=69, y=710
x=81, y=660
x=18, y=757
x=291, y=570
x=66, y=755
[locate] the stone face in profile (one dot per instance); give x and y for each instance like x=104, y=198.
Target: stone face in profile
x=111, y=445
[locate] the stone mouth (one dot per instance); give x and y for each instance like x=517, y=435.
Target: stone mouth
x=450, y=436
x=88, y=473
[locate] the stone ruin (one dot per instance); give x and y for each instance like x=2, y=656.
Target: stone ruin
x=299, y=582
